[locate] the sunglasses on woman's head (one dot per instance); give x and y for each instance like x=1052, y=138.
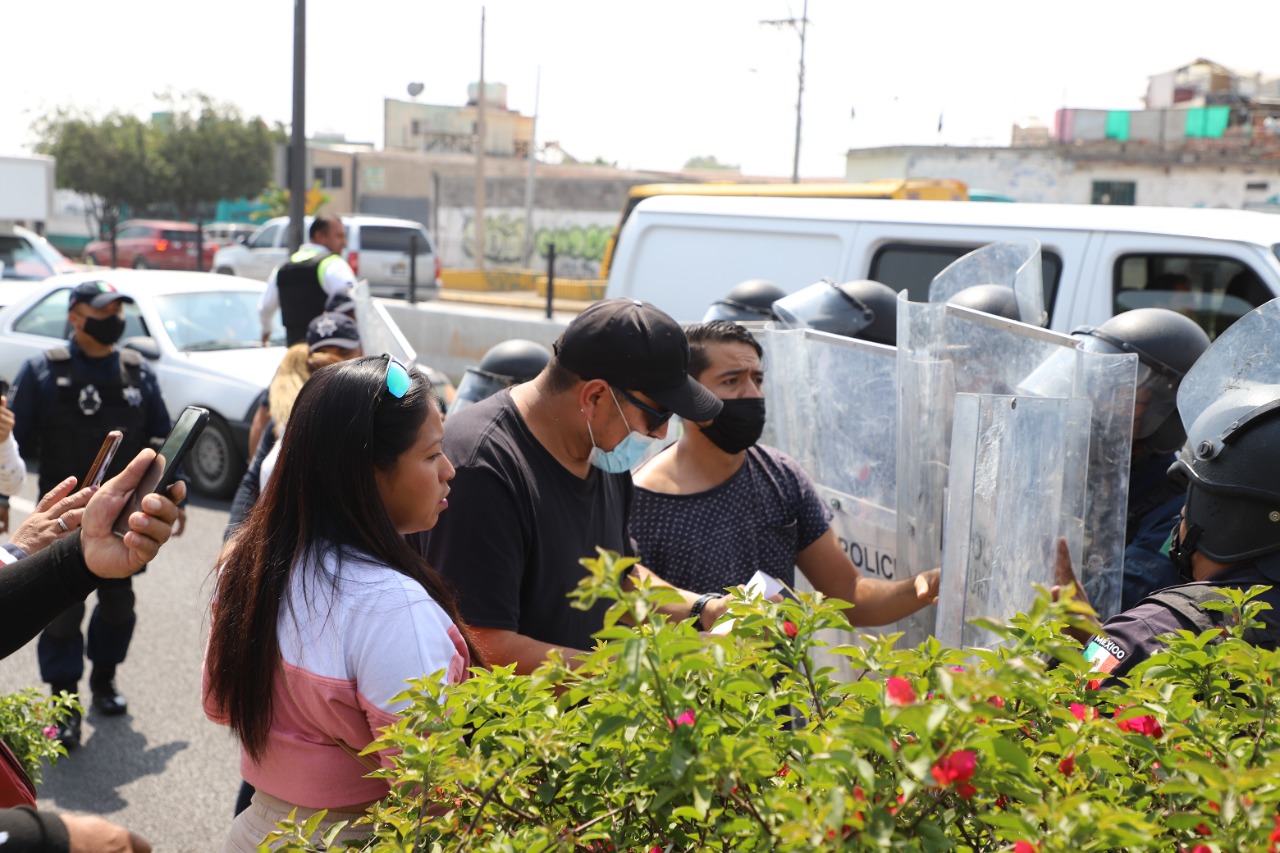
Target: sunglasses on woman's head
x=397, y=377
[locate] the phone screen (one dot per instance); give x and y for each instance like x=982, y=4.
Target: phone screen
x=164, y=468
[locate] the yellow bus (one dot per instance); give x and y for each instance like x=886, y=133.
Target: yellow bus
x=927, y=189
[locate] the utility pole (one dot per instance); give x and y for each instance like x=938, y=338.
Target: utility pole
x=478, y=223
x=528, y=184
x=800, y=26
x=298, y=137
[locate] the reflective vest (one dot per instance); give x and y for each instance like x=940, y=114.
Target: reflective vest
x=302, y=295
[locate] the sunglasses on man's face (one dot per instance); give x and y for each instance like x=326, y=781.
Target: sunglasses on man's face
x=397, y=377
x=657, y=419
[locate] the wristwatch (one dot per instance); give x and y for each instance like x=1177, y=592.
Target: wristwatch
x=695, y=612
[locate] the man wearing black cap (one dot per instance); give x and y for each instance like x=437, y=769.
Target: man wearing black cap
x=65, y=401
x=543, y=479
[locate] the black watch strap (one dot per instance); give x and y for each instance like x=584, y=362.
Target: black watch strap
x=695, y=611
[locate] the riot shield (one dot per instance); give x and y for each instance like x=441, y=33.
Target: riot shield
x=1012, y=263
x=1234, y=379
x=1016, y=485
x=378, y=332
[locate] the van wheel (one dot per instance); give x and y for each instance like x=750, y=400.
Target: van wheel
x=225, y=271
x=214, y=464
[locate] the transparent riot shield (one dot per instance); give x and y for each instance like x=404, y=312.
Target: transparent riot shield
x=831, y=408
x=1016, y=485
x=378, y=332
x=1237, y=376
x=1012, y=263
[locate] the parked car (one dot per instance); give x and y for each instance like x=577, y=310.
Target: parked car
x=199, y=333
x=152, y=244
x=378, y=250
x=26, y=256
x=226, y=233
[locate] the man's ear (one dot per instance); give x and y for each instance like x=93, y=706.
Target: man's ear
x=591, y=395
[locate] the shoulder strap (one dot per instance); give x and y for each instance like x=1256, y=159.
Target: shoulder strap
x=1186, y=600
x=130, y=366
x=56, y=354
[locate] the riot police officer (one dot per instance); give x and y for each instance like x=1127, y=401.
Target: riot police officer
x=505, y=364
x=748, y=301
x=1228, y=535
x=1167, y=345
x=65, y=401
x=863, y=309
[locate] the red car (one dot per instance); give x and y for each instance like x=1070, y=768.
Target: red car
x=152, y=244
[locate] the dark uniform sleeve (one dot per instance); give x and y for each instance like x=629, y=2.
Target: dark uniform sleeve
x=36, y=589
x=158, y=423
x=24, y=401
x=1130, y=637
x=477, y=545
x=29, y=831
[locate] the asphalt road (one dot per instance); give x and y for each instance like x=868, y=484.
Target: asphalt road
x=162, y=769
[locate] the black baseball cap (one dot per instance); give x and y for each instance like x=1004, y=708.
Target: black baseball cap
x=634, y=346
x=95, y=294
x=331, y=329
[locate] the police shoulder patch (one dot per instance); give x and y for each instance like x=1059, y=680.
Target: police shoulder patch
x=1104, y=653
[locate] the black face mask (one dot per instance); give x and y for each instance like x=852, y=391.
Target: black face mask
x=105, y=332
x=738, y=426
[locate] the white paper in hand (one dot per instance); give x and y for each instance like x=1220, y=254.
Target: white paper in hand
x=766, y=586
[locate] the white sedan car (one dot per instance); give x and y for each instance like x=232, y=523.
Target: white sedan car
x=198, y=332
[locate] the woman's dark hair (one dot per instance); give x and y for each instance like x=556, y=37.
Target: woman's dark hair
x=700, y=335
x=322, y=500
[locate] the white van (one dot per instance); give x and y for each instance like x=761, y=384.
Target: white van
x=683, y=253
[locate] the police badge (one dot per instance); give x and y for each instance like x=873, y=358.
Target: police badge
x=133, y=396
x=90, y=400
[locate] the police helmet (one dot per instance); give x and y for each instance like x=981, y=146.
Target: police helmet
x=862, y=309
x=1233, y=494
x=505, y=364
x=1167, y=345
x=993, y=299
x=748, y=301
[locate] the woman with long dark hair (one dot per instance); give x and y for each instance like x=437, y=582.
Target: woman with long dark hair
x=321, y=609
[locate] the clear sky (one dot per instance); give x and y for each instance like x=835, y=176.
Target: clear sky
x=646, y=83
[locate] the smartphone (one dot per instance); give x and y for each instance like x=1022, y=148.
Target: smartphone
x=164, y=468
x=107, y=452
x=4, y=388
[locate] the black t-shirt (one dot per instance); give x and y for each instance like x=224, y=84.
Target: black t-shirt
x=517, y=525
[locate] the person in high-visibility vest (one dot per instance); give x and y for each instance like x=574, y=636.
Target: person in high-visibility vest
x=301, y=286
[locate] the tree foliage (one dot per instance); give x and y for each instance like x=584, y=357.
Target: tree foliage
x=664, y=741
x=708, y=162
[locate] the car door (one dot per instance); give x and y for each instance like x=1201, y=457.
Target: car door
x=265, y=252
x=129, y=241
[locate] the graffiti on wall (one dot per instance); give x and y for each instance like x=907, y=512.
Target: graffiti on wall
x=579, y=246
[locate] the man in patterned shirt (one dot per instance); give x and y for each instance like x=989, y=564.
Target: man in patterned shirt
x=716, y=506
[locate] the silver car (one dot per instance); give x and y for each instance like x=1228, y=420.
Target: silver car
x=198, y=332
x=378, y=250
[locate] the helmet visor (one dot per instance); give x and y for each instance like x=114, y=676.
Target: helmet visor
x=826, y=307
x=477, y=385
x=1156, y=396
x=740, y=312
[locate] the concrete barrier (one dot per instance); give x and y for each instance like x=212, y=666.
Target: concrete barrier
x=449, y=336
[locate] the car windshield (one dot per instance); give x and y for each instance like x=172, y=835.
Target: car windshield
x=213, y=320
x=23, y=260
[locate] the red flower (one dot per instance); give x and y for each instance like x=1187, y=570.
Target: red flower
x=685, y=719
x=965, y=790
x=783, y=770
x=900, y=691
x=954, y=767
x=1023, y=847
x=1079, y=711
x=1067, y=765
x=1144, y=725
x=997, y=701
x=1094, y=683
x=858, y=793
x=1202, y=829
x=789, y=628
x=1202, y=848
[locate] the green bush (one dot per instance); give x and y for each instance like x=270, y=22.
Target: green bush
x=664, y=741
x=28, y=723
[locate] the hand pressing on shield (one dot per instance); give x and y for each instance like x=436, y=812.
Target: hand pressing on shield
x=1064, y=577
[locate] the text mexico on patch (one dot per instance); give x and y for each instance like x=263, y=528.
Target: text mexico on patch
x=1104, y=653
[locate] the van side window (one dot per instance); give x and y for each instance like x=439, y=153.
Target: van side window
x=1213, y=291
x=913, y=266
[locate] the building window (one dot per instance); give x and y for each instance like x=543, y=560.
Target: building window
x=1256, y=186
x=1113, y=192
x=415, y=127
x=330, y=177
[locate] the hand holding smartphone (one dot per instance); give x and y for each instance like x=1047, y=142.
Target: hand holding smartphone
x=164, y=468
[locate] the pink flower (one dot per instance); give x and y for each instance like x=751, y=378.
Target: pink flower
x=900, y=691
x=685, y=719
x=1145, y=725
x=954, y=767
x=956, y=668
x=50, y=732
x=1079, y=711
x=789, y=628
x=996, y=700
x=1202, y=848
x=1023, y=847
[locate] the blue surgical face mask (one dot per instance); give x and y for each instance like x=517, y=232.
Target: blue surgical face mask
x=628, y=452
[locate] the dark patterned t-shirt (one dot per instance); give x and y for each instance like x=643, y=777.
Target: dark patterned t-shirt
x=759, y=519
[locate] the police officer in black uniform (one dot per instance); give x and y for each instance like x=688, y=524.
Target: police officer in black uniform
x=1228, y=535
x=65, y=402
